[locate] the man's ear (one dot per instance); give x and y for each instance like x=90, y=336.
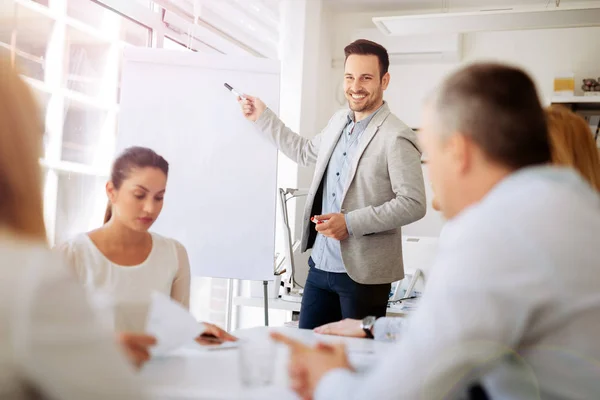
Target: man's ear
x=385, y=80
x=461, y=152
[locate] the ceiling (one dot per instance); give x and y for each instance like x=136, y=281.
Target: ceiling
x=435, y=5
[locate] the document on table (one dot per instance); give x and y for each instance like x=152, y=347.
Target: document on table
x=171, y=324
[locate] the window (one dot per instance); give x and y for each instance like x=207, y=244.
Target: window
x=174, y=45
x=32, y=35
x=84, y=128
x=42, y=98
x=81, y=203
x=70, y=52
x=88, y=65
x=112, y=25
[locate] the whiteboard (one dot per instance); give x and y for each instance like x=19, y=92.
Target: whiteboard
x=221, y=193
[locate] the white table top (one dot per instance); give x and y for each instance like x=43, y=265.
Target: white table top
x=199, y=373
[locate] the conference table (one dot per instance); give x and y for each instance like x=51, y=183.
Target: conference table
x=194, y=372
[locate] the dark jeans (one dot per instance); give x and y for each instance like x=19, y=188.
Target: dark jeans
x=330, y=297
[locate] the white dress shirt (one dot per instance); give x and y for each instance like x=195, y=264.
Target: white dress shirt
x=51, y=343
x=512, y=302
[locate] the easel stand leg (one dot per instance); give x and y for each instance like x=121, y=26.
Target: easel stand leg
x=266, y=295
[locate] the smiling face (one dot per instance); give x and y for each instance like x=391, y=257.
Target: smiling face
x=363, y=84
x=137, y=203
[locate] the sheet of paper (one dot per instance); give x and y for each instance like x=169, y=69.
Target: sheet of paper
x=171, y=324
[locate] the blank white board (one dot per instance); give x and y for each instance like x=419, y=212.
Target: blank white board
x=221, y=192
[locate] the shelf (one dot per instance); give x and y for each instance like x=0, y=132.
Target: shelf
x=575, y=99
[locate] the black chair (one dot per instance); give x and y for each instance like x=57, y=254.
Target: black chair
x=477, y=392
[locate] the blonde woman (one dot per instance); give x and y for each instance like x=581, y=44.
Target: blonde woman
x=573, y=144
x=51, y=344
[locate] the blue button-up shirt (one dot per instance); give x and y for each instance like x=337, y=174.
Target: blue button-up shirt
x=327, y=253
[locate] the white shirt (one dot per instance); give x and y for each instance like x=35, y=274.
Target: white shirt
x=51, y=343
x=512, y=302
x=126, y=291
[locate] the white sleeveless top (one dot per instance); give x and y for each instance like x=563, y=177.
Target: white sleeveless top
x=126, y=291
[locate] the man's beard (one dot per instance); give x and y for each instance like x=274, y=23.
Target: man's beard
x=367, y=106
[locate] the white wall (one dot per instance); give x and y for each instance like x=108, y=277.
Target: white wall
x=432, y=222
x=542, y=53
x=306, y=60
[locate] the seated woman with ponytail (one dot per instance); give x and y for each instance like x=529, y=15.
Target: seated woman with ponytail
x=122, y=259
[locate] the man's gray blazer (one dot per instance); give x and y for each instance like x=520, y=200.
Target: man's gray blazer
x=384, y=192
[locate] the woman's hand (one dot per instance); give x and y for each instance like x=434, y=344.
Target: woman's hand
x=136, y=346
x=214, y=335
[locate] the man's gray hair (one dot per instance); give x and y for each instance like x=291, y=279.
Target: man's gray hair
x=497, y=107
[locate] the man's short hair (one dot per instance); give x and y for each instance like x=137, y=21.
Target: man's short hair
x=497, y=106
x=366, y=47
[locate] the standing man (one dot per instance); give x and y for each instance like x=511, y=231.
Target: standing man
x=368, y=183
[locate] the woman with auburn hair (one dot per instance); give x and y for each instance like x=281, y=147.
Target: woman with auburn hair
x=51, y=343
x=573, y=144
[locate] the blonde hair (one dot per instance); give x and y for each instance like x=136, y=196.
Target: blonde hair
x=573, y=144
x=21, y=134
